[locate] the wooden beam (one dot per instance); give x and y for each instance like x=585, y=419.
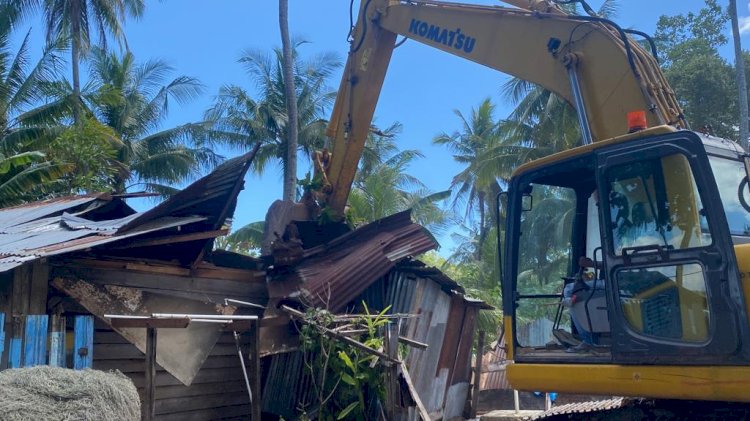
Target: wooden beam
x=257, y=402
x=149, y=323
x=328, y=332
x=171, y=239
x=150, y=386
x=412, y=342
x=414, y=395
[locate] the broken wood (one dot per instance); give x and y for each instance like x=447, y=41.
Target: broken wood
x=414, y=395
x=328, y=332
x=412, y=342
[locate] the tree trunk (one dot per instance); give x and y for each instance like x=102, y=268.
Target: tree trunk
x=290, y=169
x=75, y=51
x=741, y=82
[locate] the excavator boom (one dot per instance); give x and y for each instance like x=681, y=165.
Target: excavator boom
x=588, y=61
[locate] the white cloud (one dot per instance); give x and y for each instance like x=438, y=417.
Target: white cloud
x=744, y=24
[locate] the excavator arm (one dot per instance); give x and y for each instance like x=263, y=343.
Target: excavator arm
x=588, y=61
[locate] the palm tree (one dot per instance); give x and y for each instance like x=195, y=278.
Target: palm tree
x=290, y=170
x=133, y=99
x=383, y=187
x=74, y=20
x=241, y=120
x=477, y=184
x=25, y=172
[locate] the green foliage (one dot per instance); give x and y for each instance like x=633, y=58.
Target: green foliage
x=703, y=81
x=383, y=186
x=707, y=26
x=91, y=148
x=246, y=240
x=134, y=100
x=347, y=380
x=240, y=120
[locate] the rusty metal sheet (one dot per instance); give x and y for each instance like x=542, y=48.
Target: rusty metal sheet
x=333, y=274
x=213, y=196
x=58, y=226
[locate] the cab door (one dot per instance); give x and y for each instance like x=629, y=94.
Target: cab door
x=673, y=285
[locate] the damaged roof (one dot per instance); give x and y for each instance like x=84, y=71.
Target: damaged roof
x=67, y=224
x=333, y=274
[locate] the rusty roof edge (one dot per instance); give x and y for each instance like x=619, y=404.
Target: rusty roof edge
x=197, y=187
x=400, y=218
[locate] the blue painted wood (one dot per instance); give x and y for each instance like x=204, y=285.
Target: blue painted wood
x=35, y=340
x=57, y=349
x=84, y=342
x=15, y=351
x=57, y=341
x=14, y=358
x=2, y=335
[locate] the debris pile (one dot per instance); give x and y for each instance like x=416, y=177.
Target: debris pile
x=52, y=393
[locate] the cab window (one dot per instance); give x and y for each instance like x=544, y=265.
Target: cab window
x=655, y=202
x=729, y=174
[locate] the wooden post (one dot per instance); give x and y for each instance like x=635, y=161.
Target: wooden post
x=257, y=402
x=149, y=391
x=392, y=386
x=477, y=374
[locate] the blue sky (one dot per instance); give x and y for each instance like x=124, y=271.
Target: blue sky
x=204, y=39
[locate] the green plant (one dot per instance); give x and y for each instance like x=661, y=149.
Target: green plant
x=348, y=381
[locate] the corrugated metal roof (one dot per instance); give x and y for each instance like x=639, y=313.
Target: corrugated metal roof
x=335, y=273
x=58, y=226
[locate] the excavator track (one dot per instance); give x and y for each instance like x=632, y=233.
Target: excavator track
x=646, y=409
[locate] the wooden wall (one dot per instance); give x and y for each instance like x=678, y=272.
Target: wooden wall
x=218, y=391
x=23, y=291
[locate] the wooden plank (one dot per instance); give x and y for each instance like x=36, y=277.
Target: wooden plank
x=135, y=365
x=208, y=414
x=166, y=392
x=108, y=337
x=170, y=239
x=117, y=352
x=189, y=403
x=21, y=289
x=253, y=291
x=255, y=373
x=83, y=348
x=57, y=342
x=16, y=341
x=413, y=392
x=203, y=376
x=150, y=322
x=35, y=340
x=150, y=376
x=38, y=287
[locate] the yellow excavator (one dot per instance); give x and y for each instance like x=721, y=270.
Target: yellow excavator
x=629, y=249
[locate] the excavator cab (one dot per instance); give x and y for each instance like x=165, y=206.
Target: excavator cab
x=644, y=213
